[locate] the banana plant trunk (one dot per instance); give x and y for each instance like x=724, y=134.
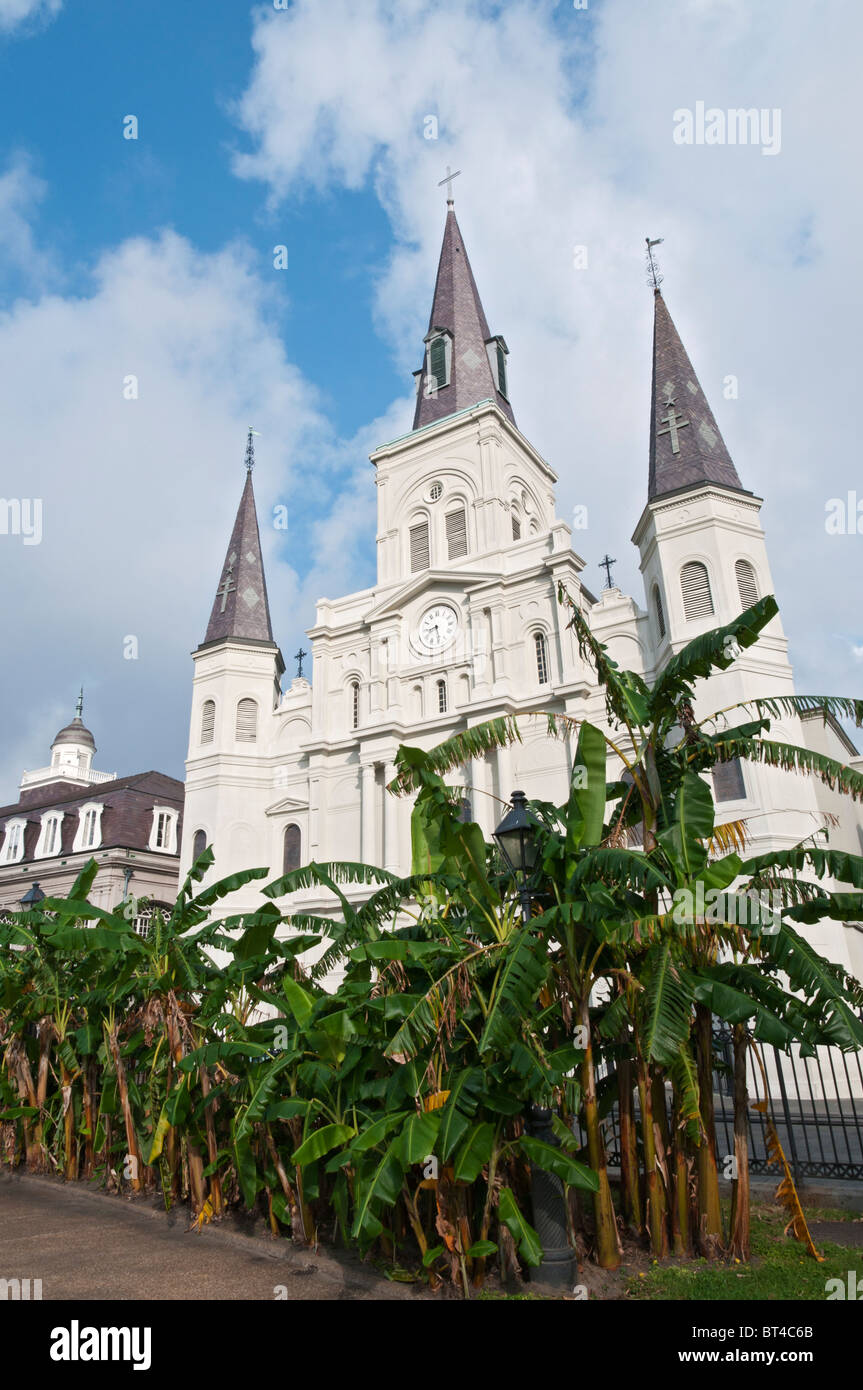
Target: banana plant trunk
x=709, y=1210
x=739, y=1242
x=608, y=1249
x=126, y=1106
x=655, y=1195
x=630, y=1189
x=70, y=1148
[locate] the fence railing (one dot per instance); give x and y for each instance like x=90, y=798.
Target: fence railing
x=815, y=1104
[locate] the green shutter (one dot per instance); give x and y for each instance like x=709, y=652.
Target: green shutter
x=437, y=362
x=501, y=370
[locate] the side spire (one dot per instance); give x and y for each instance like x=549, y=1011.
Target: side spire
x=686, y=447
x=463, y=363
x=241, y=608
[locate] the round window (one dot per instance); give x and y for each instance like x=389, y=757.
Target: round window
x=435, y=492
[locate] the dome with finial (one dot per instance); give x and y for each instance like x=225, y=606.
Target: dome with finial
x=76, y=732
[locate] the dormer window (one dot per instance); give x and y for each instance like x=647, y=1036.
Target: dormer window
x=13, y=842
x=497, y=354
x=163, y=836
x=89, y=832
x=49, y=836
x=438, y=361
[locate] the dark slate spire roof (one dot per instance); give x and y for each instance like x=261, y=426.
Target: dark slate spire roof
x=689, y=449
x=240, y=608
x=457, y=307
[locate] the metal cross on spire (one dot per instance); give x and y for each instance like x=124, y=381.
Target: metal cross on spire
x=672, y=422
x=250, y=449
x=299, y=658
x=79, y=703
x=654, y=278
x=605, y=564
x=450, y=202
x=226, y=586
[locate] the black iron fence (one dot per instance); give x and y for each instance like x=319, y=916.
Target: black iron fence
x=815, y=1104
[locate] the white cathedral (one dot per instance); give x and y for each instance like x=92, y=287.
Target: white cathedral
x=464, y=625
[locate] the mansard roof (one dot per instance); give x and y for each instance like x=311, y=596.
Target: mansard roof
x=127, y=819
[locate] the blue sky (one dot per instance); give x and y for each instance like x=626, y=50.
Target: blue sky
x=181, y=69
x=306, y=128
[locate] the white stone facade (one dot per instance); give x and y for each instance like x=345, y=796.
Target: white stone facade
x=464, y=625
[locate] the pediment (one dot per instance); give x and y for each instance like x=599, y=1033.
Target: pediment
x=428, y=582
x=287, y=806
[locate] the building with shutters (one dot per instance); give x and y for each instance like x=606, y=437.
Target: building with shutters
x=68, y=813
x=463, y=624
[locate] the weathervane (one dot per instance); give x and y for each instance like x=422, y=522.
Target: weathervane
x=79, y=704
x=299, y=658
x=250, y=449
x=450, y=202
x=654, y=278
x=605, y=564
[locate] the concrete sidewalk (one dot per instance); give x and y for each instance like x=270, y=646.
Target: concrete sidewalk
x=86, y=1245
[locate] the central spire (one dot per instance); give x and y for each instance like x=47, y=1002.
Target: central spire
x=464, y=363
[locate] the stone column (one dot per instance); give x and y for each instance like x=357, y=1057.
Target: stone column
x=504, y=778
x=369, y=814
x=392, y=818
x=481, y=805
x=314, y=817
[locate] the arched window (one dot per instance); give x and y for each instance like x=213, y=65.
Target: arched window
x=208, y=721
x=199, y=844
x=293, y=851
x=695, y=584
x=657, y=608
x=355, y=704
x=456, y=533
x=247, y=721
x=441, y=697
x=541, y=647
x=143, y=923
x=13, y=845
x=516, y=527
x=747, y=584
x=419, y=535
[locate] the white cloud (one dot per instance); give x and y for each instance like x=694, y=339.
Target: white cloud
x=138, y=495
x=20, y=195
x=16, y=12
x=760, y=254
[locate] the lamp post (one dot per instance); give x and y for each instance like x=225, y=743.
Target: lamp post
x=516, y=840
x=32, y=899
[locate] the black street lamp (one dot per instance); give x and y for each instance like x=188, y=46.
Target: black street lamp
x=516, y=839
x=31, y=900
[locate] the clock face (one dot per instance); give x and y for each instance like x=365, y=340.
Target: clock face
x=438, y=627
